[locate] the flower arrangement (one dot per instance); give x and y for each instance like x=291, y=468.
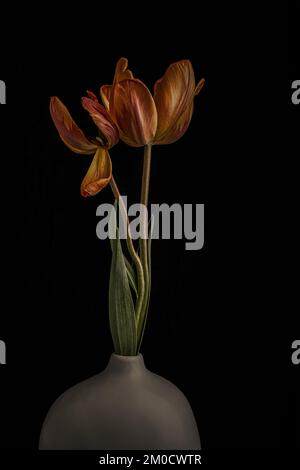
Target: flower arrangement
x=131, y=113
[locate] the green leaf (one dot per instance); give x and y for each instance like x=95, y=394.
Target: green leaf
x=112, y=226
x=121, y=306
x=131, y=275
x=113, y=234
x=150, y=233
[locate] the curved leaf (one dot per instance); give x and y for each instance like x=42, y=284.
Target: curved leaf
x=121, y=306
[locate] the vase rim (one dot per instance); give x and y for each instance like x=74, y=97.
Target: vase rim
x=121, y=363
x=127, y=358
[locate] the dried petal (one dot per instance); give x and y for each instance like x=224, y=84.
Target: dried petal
x=98, y=175
x=69, y=132
x=133, y=109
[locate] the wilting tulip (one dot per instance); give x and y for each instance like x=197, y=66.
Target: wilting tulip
x=143, y=119
x=100, y=171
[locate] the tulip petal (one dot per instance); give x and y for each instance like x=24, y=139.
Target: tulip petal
x=173, y=94
x=181, y=125
x=69, y=132
x=92, y=96
x=121, y=71
x=133, y=110
x=199, y=86
x=108, y=130
x=179, y=128
x=105, y=92
x=98, y=175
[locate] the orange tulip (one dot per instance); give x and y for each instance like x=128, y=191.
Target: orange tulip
x=143, y=119
x=99, y=173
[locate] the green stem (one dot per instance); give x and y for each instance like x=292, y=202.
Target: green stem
x=131, y=249
x=144, y=231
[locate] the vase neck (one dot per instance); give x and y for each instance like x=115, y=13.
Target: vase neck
x=126, y=364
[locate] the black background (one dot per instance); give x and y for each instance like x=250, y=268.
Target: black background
x=217, y=325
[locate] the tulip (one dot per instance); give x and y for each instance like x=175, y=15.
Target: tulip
x=143, y=119
x=99, y=173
